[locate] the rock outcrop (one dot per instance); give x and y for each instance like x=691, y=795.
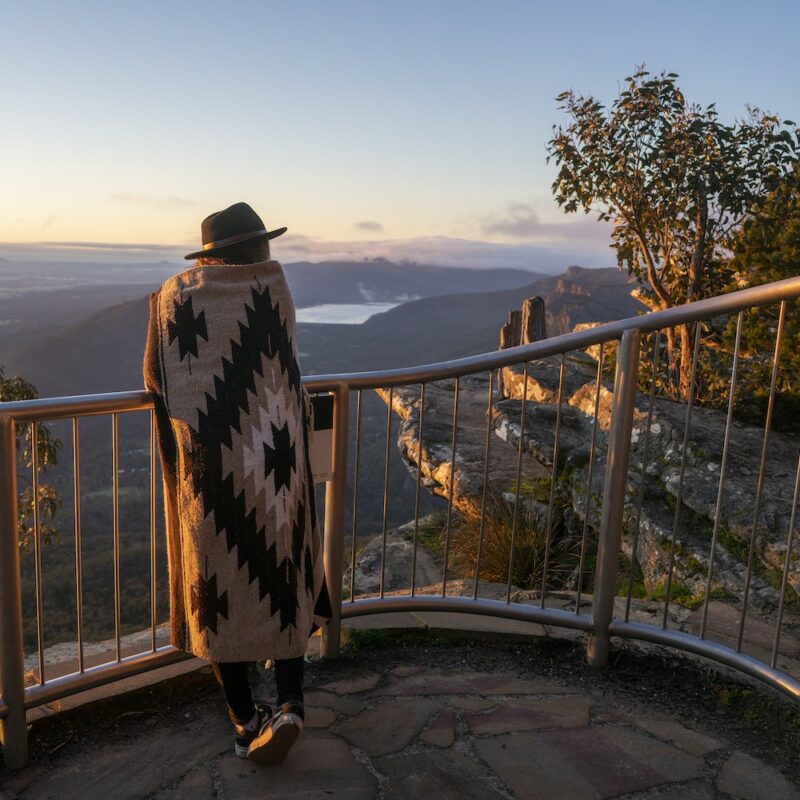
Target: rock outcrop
x=655, y=531
x=662, y=478
x=527, y=325
x=436, y=459
x=396, y=564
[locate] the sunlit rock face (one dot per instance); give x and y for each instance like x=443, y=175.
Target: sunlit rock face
x=649, y=529
x=438, y=470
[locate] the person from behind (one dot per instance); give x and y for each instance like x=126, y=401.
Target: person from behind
x=233, y=420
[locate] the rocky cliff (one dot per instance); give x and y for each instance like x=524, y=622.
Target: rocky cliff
x=660, y=486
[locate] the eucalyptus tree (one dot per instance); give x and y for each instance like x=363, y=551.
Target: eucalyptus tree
x=767, y=248
x=675, y=182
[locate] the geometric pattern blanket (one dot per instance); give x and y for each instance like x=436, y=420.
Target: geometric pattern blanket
x=245, y=562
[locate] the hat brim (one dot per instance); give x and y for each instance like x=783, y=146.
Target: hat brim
x=207, y=252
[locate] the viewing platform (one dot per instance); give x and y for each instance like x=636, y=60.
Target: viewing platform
x=437, y=712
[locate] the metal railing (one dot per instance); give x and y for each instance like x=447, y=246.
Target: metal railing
x=600, y=624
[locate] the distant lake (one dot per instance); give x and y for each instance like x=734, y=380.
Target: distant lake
x=342, y=313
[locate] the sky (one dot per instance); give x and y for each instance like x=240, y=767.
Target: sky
x=410, y=130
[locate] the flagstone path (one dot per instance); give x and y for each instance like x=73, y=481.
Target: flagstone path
x=392, y=729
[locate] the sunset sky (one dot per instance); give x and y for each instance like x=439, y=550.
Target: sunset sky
x=369, y=128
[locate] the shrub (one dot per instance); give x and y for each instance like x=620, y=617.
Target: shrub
x=530, y=543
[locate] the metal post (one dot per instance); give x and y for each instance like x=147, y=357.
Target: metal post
x=619, y=444
x=13, y=727
x=335, y=496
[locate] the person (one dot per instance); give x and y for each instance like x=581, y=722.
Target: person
x=245, y=562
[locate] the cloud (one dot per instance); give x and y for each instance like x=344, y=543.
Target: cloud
x=92, y=252
x=448, y=252
x=521, y=221
x=112, y=246
x=368, y=226
x=536, y=256
x=166, y=201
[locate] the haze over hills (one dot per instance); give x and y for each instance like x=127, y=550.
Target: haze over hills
x=451, y=326
x=104, y=353
x=39, y=298
x=376, y=279
x=379, y=280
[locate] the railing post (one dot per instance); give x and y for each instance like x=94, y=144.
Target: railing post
x=333, y=543
x=13, y=728
x=610, y=536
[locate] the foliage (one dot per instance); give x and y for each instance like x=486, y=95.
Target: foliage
x=766, y=249
x=674, y=181
x=369, y=639
x=49, y=500
x=530, y=534
x=629, y=574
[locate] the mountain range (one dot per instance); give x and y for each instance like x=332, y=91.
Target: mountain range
x=103, y=352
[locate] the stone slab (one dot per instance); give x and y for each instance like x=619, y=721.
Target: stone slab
x=565, y=634
x=750, y=779
x=442, y=731
x=318, y=717
x=472, y=703
x=18, y=781
x=136, y=768
x=695, y=790
x=525, y=714
x=591, y=763
x=649, y=753
x=198, y=783
x=388, y=727
x=344, y=704
x=532, y=771
x=398, y=620
x=444, y=775
x=363, y=683
x=318, y=766
x=468, y=683
x=669, y=730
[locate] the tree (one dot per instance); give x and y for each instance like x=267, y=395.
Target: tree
x=765, y=249
x=674, y=181
x=17, y=388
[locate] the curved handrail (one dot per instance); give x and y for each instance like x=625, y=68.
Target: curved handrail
x=84, y=405
x=48, y=408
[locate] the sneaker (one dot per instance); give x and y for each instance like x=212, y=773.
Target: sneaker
x=272, y=744
x=246, y=733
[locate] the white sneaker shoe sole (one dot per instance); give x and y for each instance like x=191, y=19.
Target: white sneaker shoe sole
x=273, y=744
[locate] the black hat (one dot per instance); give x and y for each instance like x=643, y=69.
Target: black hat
x=235, y=224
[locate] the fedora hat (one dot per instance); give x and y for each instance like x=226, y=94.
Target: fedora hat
x=233, y=225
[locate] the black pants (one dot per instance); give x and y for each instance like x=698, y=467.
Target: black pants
x=232, y=676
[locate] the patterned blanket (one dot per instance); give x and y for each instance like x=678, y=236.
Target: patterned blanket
x=245, y=563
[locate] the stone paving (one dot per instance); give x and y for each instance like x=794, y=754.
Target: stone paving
x=406, y=731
